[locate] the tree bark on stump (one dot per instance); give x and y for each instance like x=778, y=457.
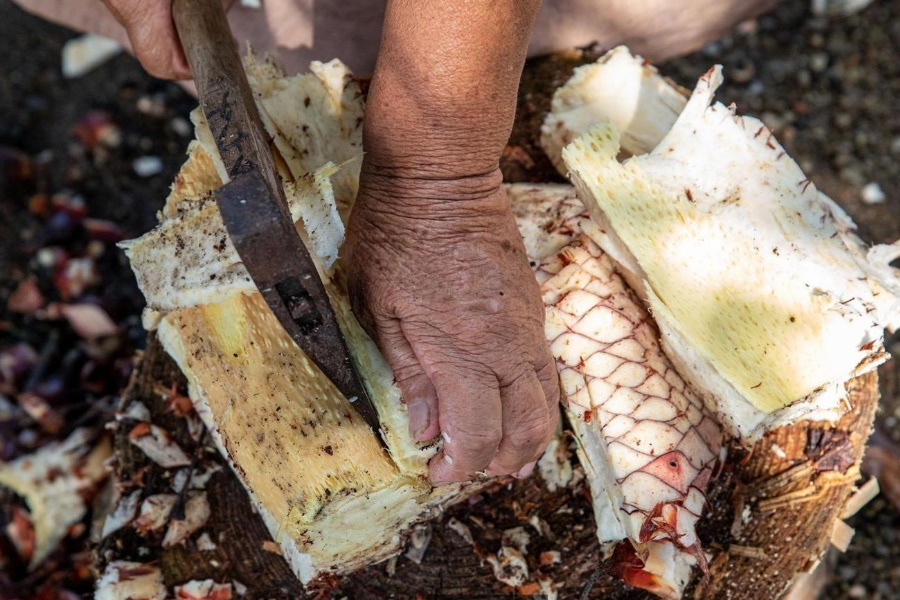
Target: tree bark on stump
x=756, y=564
x=770, y=517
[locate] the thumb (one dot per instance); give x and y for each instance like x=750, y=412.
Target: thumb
x=416, y=388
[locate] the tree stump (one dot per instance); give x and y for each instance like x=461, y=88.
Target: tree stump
x=771, y=515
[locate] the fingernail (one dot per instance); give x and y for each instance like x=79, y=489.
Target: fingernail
x=525, y=471
x=441, y=472
x=418, y=418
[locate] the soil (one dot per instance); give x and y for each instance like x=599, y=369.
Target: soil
x=826, y=86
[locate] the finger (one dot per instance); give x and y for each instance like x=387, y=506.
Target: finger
x=548, y=375
x=153, y=37
x=526, y=424
x=471, y=424
x=416, y=389
x=526, y=470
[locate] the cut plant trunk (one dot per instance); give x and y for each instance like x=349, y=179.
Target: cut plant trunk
x=310, y=492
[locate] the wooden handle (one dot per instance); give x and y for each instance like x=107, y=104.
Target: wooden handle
x=225, y=95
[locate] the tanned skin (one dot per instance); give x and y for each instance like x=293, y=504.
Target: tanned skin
x=437, y=269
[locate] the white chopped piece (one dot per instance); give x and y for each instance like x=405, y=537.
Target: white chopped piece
x=251, y=3
x=510, y=566
x=136, y=411
x=861, y=497
x=762, y=304
x=205, y=589
x=84, y=53
x=647, y=443
x=155, y=511
x=194, y=426
x=315, y=118
x=543, y=212
x=123, y=514
x=419, y=541
x=390, y=566
x=54, y=482
x=554, y=464
x=540, y=526
x=239, y=588
x=318, y=212
x=158, y=445
x=89, y=320
x=147, y=166
x=205, y=543
x=873, y=194
x=189, y=260
x=619, y=88
x=202, y=476
x=196, y=513
x=123, y=580
x=549, y=588
x=462, y=529
x=841, y=535
x=180, y=480
x=518, y=538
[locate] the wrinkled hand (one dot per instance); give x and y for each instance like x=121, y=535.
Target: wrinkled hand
x=154, y=39
x=439, y=277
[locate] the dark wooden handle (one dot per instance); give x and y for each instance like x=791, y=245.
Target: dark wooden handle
x=225, y=95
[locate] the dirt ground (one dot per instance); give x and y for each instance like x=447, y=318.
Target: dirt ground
x=828, y=87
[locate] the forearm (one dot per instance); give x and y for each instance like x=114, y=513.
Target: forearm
x=443, y=95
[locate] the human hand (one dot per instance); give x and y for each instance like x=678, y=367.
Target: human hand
x=153, y=37
x=439, y=277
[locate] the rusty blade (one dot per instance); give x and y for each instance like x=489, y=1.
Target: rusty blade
x=252, y=203
x=285, y=275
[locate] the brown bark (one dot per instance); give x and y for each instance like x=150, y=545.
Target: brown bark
x=757, y=564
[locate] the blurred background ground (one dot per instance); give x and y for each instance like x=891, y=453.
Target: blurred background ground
x=87, y=162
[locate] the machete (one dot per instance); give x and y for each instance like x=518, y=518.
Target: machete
x=252, y=203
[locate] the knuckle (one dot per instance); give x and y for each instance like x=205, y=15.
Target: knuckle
x=535, y=432
x=474, y=445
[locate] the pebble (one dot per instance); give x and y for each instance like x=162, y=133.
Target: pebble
x=895, y=145
x=857, y=591
x=181, y=127
x=818, y=62
x=153, y=106
x=147, y=166
x=873, y=194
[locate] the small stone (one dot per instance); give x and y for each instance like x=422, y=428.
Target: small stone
x=153, y=106
x=818, y=62
x=857, y=591
x=756, y=87
x=895, y=145
x=147, y=166
x=181, y=126
x=873, y=194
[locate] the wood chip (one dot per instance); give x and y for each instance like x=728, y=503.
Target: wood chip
x=158, y=445
x=841, y=535
x=748, y=551
x=270, y=546
x=865, y=494
x=196, y=514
